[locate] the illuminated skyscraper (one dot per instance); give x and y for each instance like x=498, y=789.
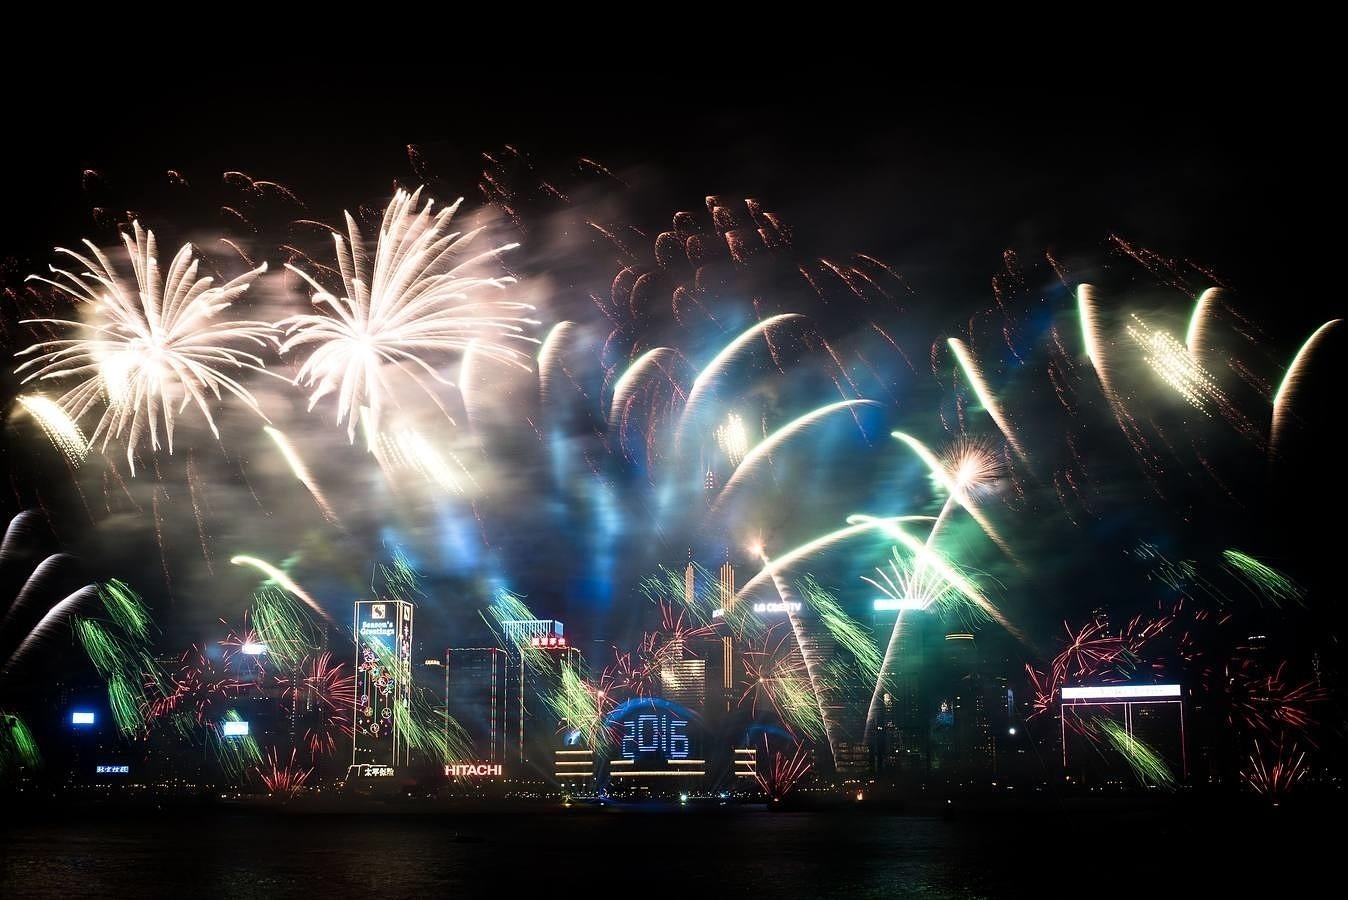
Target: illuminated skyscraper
x=683, y=677
x=536, y=653
x=727, y=583
x=475, y=698
x=383, y=681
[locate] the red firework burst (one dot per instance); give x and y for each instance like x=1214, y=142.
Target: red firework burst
x=1264, y=702
x=781, y=772
x=327, y=691
x=1274, y=768
x=195, y=688
x=285, y=780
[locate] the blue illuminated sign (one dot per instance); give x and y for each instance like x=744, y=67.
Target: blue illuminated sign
x=655, y=733
x=81, y=717
x=112, y=770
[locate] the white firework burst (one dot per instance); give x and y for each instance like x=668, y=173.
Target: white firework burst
x=420, y=298
x=147, y=351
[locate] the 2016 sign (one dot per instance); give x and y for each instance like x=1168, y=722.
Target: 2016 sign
x=655, y=733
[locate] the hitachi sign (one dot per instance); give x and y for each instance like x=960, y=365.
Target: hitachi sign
x=473, y=770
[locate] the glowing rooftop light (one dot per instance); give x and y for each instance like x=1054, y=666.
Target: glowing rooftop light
x=253, y=648
x=885, y=604
x=1121, y=692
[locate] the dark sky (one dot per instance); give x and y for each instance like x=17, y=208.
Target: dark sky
x=1198, y=169
x=935, y=180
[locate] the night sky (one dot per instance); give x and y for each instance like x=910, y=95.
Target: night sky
x=937, y=184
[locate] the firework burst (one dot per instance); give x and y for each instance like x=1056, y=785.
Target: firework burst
x=420, y=297
x=284, y=780
x=147, y=352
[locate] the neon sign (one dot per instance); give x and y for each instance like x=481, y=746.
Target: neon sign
x=1121, y=692
x=112, y=770
x=79, y=717
x=376, y=771
x=655, y=733
x=788, y=606
x=477, y=770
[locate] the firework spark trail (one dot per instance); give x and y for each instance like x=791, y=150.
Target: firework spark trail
x=849, y=634
x=1091, y=340
x=234, y=754
x=333, y=692
x=1177, y=366
x=64, y=432
x=17, y=743
x=282, y=579
x=283, y=626
x=974, y=376
x=862, y=526
x=418, y=298
x=123, y=670
x=929, y=557
x=47, y=623
x=126, y=608
x=580, y=708
x=150, y=348
x=626, y=383
x=1264, y=701
x=198, y=513
x=925, y=560
x=301, y=471
x=1094, y=345
x=785, y=595
x=967, y=477
x=1195, y=338
x=158, y=520
x=1266, y=580
x=1281, y=399
x=763, y=450
x=733, y=438
x=1274, y=769
x=718, y=363
x=1147, y=765
x=16, y=531
x=1256, y=382
x=34, y=581
x=285, y=780
x=777, y=674
x=783, y=772
x=547, y=355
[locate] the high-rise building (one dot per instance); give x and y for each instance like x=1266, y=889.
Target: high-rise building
x=519, y=632
x=901, y=740
x=683, y=677
x=727, y=585
x=537, y=654
x=962, y=745
x=475, y=699
x=383, y=682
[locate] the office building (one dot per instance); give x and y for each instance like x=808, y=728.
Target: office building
x=383, y=682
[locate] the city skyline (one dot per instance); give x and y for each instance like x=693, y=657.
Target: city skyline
x=863, y=466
